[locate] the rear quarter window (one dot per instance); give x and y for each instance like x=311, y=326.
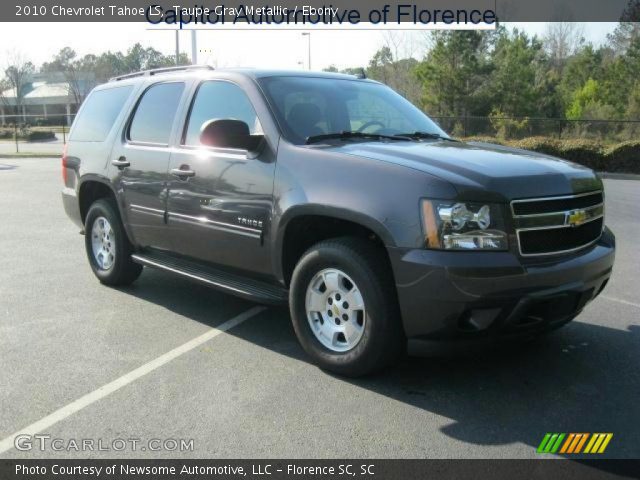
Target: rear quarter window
x=99, y=113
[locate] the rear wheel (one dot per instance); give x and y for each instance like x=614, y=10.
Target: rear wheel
x=107, y=245
x=344, y=308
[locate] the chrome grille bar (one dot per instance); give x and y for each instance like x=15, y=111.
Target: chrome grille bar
x=556, y=220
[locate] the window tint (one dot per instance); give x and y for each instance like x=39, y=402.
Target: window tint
x=98, y=114
x=155, y=113
x=309, y=106
x=367, y=112
x=307, y=112
x=217, y=100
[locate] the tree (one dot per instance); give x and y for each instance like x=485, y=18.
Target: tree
x=18, y=72
x=584, y=98
x=514, y=87
x=633, y=112
x=101, y=68
x=627, y=30
x=585, y=64
x=394, y=64
x=140, y=58
x=454, y=73
x=561, y=40
x=76, y=72
x=4, y=85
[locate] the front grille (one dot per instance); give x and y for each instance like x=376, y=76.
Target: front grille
x=533, y=242
x=537, y=206
x=553, y=225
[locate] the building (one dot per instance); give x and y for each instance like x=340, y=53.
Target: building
x=48, y=97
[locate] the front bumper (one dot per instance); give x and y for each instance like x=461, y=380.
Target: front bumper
x=458, y=296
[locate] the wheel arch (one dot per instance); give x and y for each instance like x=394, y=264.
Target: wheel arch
x=95, y=187
x=303, y=226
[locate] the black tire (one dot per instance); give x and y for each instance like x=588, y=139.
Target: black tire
x=122, y=271
x=382, y=340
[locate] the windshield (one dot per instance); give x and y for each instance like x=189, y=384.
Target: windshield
x=306, y=107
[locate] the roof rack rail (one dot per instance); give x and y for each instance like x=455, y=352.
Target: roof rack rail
x=156, y=71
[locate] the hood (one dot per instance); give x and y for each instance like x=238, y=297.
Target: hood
x=482, y=172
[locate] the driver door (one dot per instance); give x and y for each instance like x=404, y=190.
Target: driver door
x=219, y=199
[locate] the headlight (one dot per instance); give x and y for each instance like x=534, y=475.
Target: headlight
x=463, y=226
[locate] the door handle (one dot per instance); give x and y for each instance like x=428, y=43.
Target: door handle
x=121, y=163
x=183, y=172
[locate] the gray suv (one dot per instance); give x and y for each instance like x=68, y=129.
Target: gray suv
x=337, y=196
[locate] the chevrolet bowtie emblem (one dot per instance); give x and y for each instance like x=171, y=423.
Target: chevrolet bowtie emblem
x=576, y=218
x=336, y=312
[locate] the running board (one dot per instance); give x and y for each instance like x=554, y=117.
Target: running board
x=249, y=289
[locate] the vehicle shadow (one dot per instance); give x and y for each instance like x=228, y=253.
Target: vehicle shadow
x=581, y=378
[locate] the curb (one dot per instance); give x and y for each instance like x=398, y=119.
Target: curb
x=619, y=176
x=30, y=155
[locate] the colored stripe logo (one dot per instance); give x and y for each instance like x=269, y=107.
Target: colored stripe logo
x=573, y=443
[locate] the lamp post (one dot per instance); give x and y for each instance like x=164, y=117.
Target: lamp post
x=177, y=48
x=194, y=48
x=308, y=34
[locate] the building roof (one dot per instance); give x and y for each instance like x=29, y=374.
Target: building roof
x=39, y=93
x=49, y=88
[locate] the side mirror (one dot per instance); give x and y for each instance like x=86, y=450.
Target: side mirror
x=229, y=134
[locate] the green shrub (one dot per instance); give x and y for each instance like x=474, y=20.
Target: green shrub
x=38, y=135
x=547, y=145
x=507, y=127
x=589, y=153
x=458, y=129
x=585, y=152
x=623, y=157
x=482, y=139
x=25, y=133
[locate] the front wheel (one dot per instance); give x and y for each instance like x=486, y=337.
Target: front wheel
x=107, y=245
x=344, y=308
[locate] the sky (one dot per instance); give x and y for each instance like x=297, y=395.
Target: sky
x=248, y=48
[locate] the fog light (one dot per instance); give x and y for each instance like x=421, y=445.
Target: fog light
x=476, y=240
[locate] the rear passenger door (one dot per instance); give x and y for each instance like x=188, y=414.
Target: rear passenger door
x=220, y=208
x=141, y=158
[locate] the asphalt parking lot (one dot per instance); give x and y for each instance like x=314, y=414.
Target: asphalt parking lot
x=250, y=392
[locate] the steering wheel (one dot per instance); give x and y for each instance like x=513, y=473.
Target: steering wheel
x=369, y=124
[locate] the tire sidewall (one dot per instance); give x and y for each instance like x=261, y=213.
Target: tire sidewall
x=371, y=346
x=104, y=208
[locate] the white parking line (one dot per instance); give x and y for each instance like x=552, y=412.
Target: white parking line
x=619, y=300
x=126, y=379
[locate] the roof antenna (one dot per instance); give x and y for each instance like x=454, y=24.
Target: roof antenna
x=362, y=74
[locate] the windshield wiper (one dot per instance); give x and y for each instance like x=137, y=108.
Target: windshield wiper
x=350, y=134
x=435, y=136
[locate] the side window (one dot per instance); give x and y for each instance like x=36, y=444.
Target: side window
x=216, y=100
x=98, y=114
x=155, y=113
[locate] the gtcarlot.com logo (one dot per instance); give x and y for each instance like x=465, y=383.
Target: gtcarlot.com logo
x=44, y=442
x=574, y=443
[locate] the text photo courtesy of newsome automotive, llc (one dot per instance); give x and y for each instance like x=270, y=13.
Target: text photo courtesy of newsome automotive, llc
x=319, y=240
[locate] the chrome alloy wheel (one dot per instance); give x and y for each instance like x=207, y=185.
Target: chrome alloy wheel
x=335, y=310
x=103, y=243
